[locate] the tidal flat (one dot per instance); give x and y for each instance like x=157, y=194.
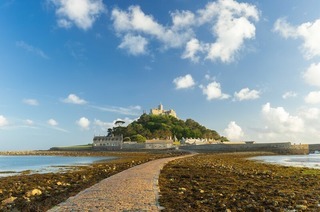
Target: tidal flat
x=40, y=192
x=232, y=182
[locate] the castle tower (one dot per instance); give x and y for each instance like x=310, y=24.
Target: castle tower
x=161, y=111
x=160, y=107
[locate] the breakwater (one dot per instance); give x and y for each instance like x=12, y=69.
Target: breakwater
x=280, y=148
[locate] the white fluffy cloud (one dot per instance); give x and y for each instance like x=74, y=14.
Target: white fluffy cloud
x=184, y=82
x=234, y=131
x=32, y=102
x=135, y=45
x=193, y=47
x=280, y=125
x=280, y=121
x=182, y=19
x=213, y=91
x=104, y=126
x=289, y=94
x=232, y=27
x=82, y=13
x=310, y=113
x=285, y=29
x=74, y=99
x=229, y=21
x=29, y=122
x=313, y=97
x=246, y=94
x=52, y=122
x=3, y=121
x=83, y=123
x=308, y=32
x=312, y=75
x=135, y=21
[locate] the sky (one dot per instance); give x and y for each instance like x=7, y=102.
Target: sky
x=70, y=68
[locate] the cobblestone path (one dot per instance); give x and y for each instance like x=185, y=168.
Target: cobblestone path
x=135, y=189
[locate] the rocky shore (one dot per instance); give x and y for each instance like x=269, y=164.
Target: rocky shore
x=230, y=182
x=40, y=192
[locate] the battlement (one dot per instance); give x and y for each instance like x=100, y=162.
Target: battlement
x=161, y=111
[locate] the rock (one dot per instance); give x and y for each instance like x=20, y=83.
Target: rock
x=33, y=192
x=302, y=202
x=59, y=183
x=182, y=189
x=301, y=207
x=8, y=200
x=27, y=199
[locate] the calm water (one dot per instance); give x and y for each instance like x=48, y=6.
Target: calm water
x=42, y=164
x=310, y=161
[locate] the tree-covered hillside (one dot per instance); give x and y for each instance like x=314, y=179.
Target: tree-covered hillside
x=163, y=127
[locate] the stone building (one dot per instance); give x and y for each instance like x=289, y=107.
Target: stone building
x=110, y=142
x=161, y=111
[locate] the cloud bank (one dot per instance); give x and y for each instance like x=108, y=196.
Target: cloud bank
x=230, y=23
x=308, y=32
x=3, y=121
x=234, y=131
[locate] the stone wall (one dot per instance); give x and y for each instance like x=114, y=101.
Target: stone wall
x=299, y=149
x=281, y=148
x=133, y=146
x=314, y=147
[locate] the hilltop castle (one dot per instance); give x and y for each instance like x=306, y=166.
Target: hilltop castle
x=161, y=111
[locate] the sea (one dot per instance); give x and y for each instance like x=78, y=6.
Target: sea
x=13, y=165
x=307, y=161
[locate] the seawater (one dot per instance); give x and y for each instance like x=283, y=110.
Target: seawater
x=308, y=161
x=10, y=165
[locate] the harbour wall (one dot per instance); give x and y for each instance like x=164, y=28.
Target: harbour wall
x=280, y=148
x=314, y=147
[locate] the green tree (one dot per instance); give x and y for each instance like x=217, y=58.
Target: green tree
x=119, y=123
x=162, y=126
x=138, y=138
x=110, y=130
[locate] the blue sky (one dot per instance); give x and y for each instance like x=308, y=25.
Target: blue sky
x=70, y=68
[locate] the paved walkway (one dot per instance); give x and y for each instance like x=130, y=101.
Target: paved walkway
x=135, y=189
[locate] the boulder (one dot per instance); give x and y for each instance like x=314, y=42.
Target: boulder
x=8, y=200
x=33, y=192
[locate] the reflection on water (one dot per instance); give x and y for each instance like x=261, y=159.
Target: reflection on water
x=309, y=161
x=11, y=165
